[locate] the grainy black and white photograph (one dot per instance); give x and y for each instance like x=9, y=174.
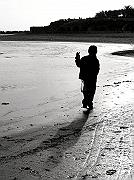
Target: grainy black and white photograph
x=66, y=90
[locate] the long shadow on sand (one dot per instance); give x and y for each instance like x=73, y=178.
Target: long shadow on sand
x=65, y=138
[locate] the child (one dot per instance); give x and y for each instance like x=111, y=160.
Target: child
x=89, y=69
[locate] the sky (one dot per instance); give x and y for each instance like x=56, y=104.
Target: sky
x=20, y=15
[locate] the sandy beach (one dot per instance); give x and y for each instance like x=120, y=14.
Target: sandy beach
x=44, y=134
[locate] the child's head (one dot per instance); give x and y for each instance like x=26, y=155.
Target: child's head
x=92, y=50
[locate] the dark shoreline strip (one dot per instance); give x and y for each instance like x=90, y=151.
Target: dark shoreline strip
x=128, y=53
x=91, y=37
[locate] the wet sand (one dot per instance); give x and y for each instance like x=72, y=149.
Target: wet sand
x=75, y=145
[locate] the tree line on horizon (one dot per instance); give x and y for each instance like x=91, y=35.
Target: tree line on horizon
x=121, y=20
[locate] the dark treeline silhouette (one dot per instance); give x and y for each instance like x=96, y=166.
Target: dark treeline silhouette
x=127, y=12
x=121, y=20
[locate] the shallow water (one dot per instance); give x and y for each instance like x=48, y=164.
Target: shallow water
x=33, y=74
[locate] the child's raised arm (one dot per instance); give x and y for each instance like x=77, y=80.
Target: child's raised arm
x=77, y=59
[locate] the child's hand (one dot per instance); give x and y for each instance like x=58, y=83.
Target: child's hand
x=77, y=55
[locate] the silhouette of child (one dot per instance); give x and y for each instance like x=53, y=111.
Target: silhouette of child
x=89, y=69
